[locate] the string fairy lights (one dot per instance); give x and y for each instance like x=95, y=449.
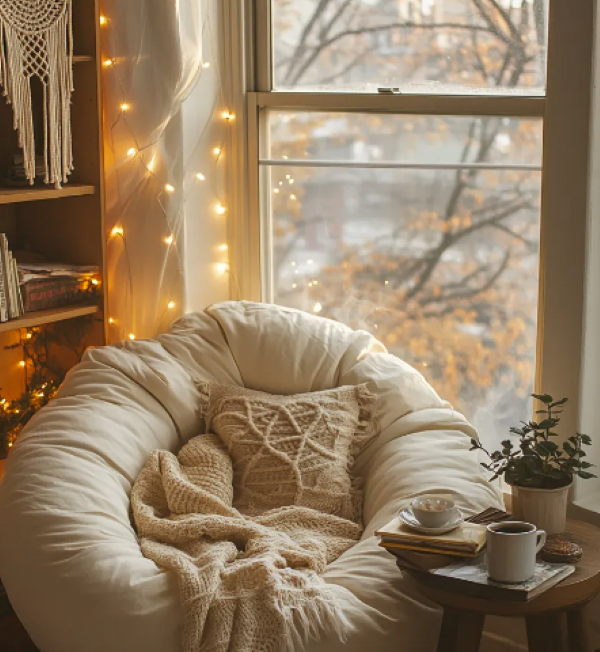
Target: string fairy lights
x=137, y=150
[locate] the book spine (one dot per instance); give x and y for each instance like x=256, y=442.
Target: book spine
x=47, y=294
x=3, y=302
x=5, y=269
x=11, y=284
x=18, y=296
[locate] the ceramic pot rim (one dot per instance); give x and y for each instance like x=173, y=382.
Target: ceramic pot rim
x=539, y=490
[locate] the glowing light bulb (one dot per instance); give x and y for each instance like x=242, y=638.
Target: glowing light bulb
x=276, y=191
x=170, y=239
x=125, y=106
x=111, y=321
x=169, y=188
x=221, y=210
x=131, y=336
x=287, y=176
x=223, y=247
x=216, y=151
x=290, y=181
x=95, y=281
x=221, y=268
x=293, y=197
x=151, y=164
x=315, y=282
x=10, y=444
x=103, y=20
x=22, y=363
x=227, y=115
x=107, y=63
x=294, y=285
x=29, y=336
x=284, y=157
x=310, y=261
x=171, y=305
x=117, y=230
x=310, y=284
x=317, y=307
x=206, y=64
x=131, y=152
x=386, y=282
x=200, y=177
x=293, y=263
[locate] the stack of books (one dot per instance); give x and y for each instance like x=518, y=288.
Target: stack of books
x=15, y=175
x=11, y=300
x=45, y=286
x=467, y=541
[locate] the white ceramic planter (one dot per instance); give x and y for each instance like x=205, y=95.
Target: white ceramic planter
x=545, y=508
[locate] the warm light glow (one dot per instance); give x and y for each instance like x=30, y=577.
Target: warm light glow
x=221, y=268
x=293, y=263
x=22, y=363
x=10, y=444
x=200, y=177
x=111, y=321
x=170, y=239
x=287, y=176
x=95, y=281
x=223, y=247
x=221, y=210
x=29, y=336
x=117, y=230
x=317, y=307
x=103, y=20
x=151, y=164
x=206, y=64
x=171, y=305
x=290, y=181
x=315, y=282
x=310, y=261
x=216, y=151
x=293, y=197
x=276, y=191
x=131, y=336
x=125, y=106
x=227, y=115
x=169, y=188
x=107, y=63
x=294, y=285
x=131, y=152
x=310, y=284
x=40, y=395
x=387, y=282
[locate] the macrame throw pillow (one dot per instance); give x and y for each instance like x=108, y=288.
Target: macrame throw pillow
x=292, y=450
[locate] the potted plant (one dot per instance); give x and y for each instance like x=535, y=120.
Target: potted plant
x=539, y=470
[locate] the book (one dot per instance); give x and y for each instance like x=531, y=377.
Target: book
x=18, y=296
x=470, y=578
x=8, y=286
x=53, y=292
x=3, y=298
x=467, y=539
x=417, y=559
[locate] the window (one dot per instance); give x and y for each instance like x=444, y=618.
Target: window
x=417, y=214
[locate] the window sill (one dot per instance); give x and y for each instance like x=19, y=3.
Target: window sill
x=586, y=509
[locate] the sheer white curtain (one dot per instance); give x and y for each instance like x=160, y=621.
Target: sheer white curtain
x=166, y=131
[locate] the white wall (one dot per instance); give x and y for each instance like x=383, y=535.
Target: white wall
x=588, y=491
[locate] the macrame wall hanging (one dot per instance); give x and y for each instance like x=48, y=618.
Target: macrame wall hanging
x=36, y=40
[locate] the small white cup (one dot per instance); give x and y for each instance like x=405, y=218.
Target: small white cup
x=511, y=550
x=433, y=511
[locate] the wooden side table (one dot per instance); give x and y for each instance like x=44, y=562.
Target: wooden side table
x=555, y=619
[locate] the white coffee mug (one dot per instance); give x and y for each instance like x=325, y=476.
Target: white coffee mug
x=511, y=550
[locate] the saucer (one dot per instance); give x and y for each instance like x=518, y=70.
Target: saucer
x=409, y=519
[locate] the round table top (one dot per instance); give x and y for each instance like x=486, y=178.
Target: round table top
x=577, y=589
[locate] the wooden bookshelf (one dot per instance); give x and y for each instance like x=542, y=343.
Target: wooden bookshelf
x=66, y=224
x=31, y=319
x=17, y=195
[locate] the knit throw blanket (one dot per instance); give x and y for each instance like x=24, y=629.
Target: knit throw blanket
x=246, y=583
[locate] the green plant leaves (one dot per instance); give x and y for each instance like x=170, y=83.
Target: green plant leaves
x=544, y=398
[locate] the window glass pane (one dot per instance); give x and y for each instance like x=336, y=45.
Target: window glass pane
x=419, y=46
x=441, y=265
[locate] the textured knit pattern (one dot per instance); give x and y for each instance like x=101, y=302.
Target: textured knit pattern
x=36, y=40
x=247, y=584
x=292, y=450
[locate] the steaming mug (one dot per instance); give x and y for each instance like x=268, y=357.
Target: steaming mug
x=511, y=550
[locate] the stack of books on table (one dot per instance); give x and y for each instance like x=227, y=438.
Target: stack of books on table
x=11, y=301
x=54, y=285
x=423, y=552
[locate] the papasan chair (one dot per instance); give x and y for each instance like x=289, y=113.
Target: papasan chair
x=69, y=557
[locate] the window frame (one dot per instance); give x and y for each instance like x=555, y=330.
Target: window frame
x=566, y=114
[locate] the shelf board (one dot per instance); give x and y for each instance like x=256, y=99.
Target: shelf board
x=81, y=58
x=31, y=319
x=35, y=193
